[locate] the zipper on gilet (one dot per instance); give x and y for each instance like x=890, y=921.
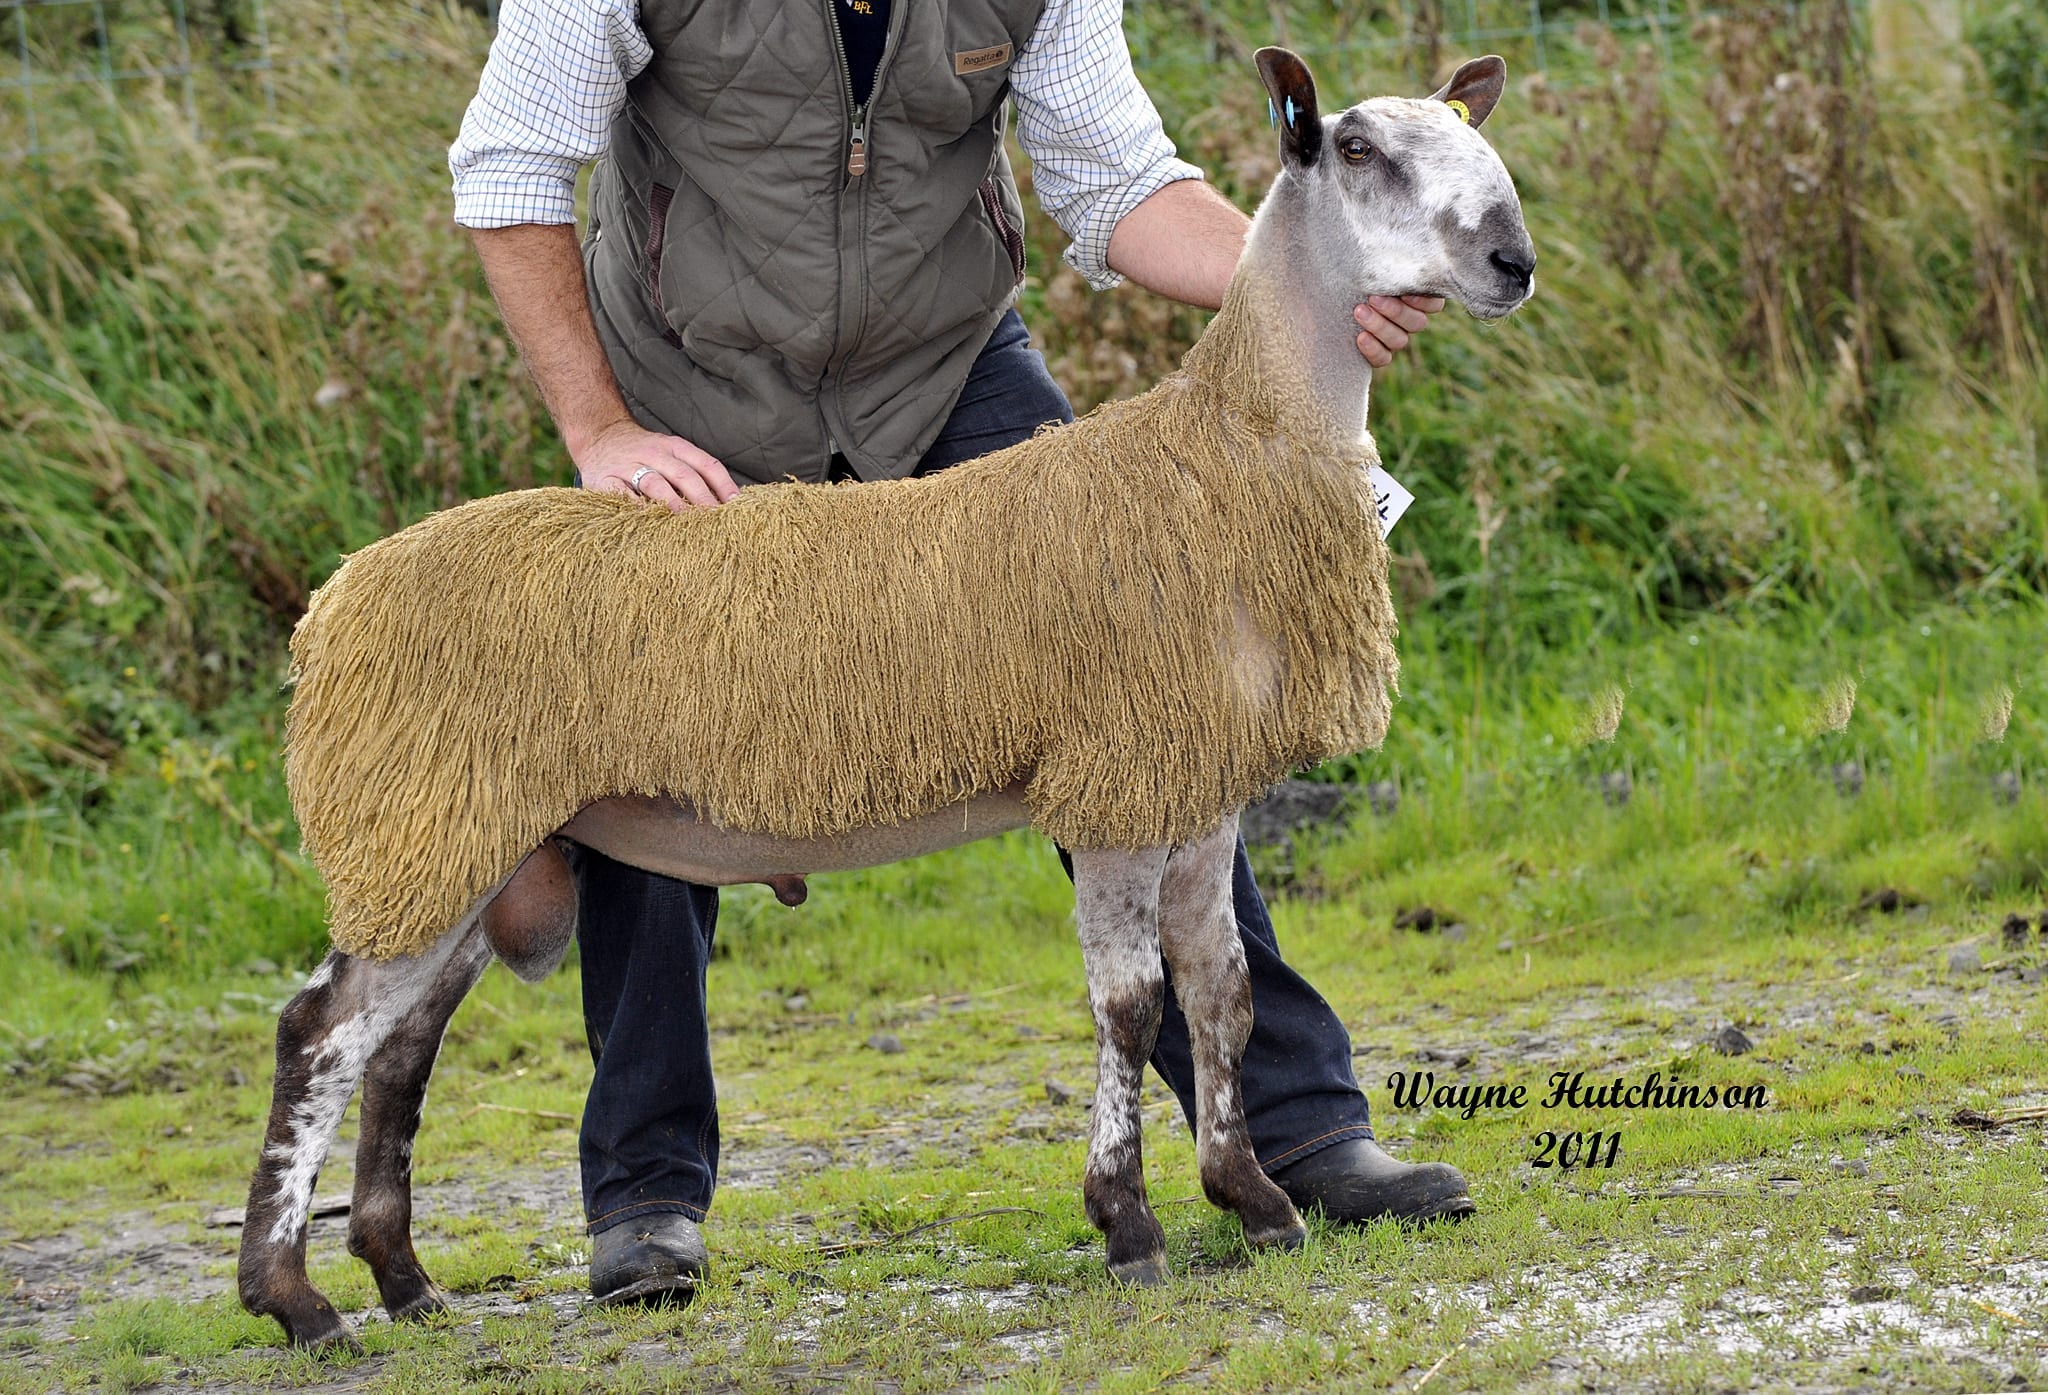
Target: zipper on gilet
x=857, y=162
x=857, y=122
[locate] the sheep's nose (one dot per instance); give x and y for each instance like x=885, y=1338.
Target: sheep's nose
x=1519, y=268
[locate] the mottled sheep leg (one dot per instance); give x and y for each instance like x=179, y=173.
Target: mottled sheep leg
x=1116, y=902
x=394, y=1090
x=1198, y=932
x=325, y=1036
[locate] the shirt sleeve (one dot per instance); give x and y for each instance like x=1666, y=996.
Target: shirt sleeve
x=555, y=80
x=1096, y=144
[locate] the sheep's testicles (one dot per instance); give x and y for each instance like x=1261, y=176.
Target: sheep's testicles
x=531, y=919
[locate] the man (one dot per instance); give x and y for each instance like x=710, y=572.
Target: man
x=803, y=252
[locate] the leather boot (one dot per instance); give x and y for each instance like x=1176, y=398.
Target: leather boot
x=652, y=1260
x=1354, y=1182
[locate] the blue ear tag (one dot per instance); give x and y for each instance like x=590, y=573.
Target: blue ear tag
x=1272, y=116
x=1290, y=113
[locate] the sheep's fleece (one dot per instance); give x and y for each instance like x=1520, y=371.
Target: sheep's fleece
x=1150, y=616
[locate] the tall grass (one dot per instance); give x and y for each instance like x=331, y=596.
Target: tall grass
x=223, y=363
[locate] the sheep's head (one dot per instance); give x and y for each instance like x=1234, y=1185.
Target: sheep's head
x=1408, y=187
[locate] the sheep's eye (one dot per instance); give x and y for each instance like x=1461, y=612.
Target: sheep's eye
x=1355, y=150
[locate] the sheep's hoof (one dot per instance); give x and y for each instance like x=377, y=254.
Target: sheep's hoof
x=322, y=1333
x=309, y=1321
x=430, y=1302
x=1149, y=1272
x=1288, y=1237
x=342, y=1343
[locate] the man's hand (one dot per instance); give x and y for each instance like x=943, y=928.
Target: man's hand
x=536, y=272
x=670, y=469
x=1385, y=324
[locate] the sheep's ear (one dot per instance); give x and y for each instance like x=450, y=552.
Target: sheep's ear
x=1475, y=87
x=1293, y=94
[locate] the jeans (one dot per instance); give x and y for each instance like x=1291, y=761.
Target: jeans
x=650, y=1127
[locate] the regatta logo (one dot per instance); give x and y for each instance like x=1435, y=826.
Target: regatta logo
x=980, y=60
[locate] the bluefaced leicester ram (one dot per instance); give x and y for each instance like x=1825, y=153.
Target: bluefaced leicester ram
x=1119, y=632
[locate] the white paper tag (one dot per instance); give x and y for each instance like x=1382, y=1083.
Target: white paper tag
x=1391, y=499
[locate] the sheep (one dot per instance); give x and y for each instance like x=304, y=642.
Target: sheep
x=1118, y=632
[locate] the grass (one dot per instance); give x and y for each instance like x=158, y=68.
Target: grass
x=185, y=873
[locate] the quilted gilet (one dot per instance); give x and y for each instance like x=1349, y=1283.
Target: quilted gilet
x=775, y=275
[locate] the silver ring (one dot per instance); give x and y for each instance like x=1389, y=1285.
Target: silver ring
x=638, y=475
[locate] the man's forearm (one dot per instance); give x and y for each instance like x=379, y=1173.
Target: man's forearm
x=1183, y=242
x=536, y=273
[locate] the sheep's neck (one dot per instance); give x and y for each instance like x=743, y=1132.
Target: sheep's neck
x=1285, y=342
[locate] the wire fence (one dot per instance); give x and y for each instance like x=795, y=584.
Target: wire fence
x=73, y=60
x=103, y=49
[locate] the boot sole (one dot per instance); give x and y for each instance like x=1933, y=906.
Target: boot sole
x=1449, y=1208
x=1455, y=1208
x=664, y=1290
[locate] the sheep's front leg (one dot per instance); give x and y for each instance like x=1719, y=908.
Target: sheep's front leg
x=1116, y=901
x=325, y=1037
x=394, y=1091
x=1198, y=932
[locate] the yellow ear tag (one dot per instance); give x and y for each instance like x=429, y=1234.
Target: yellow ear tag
x=1464, y=112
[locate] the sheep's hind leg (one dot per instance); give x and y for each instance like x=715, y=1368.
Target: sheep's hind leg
x=325, y=1037
x=1116, y=900
x=1198, y=931
x=394, y=1091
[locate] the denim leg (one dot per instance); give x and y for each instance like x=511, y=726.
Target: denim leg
x=1009, y=395
x=650, y=1127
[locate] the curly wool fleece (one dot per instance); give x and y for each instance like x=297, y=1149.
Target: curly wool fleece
x=1147, y=618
